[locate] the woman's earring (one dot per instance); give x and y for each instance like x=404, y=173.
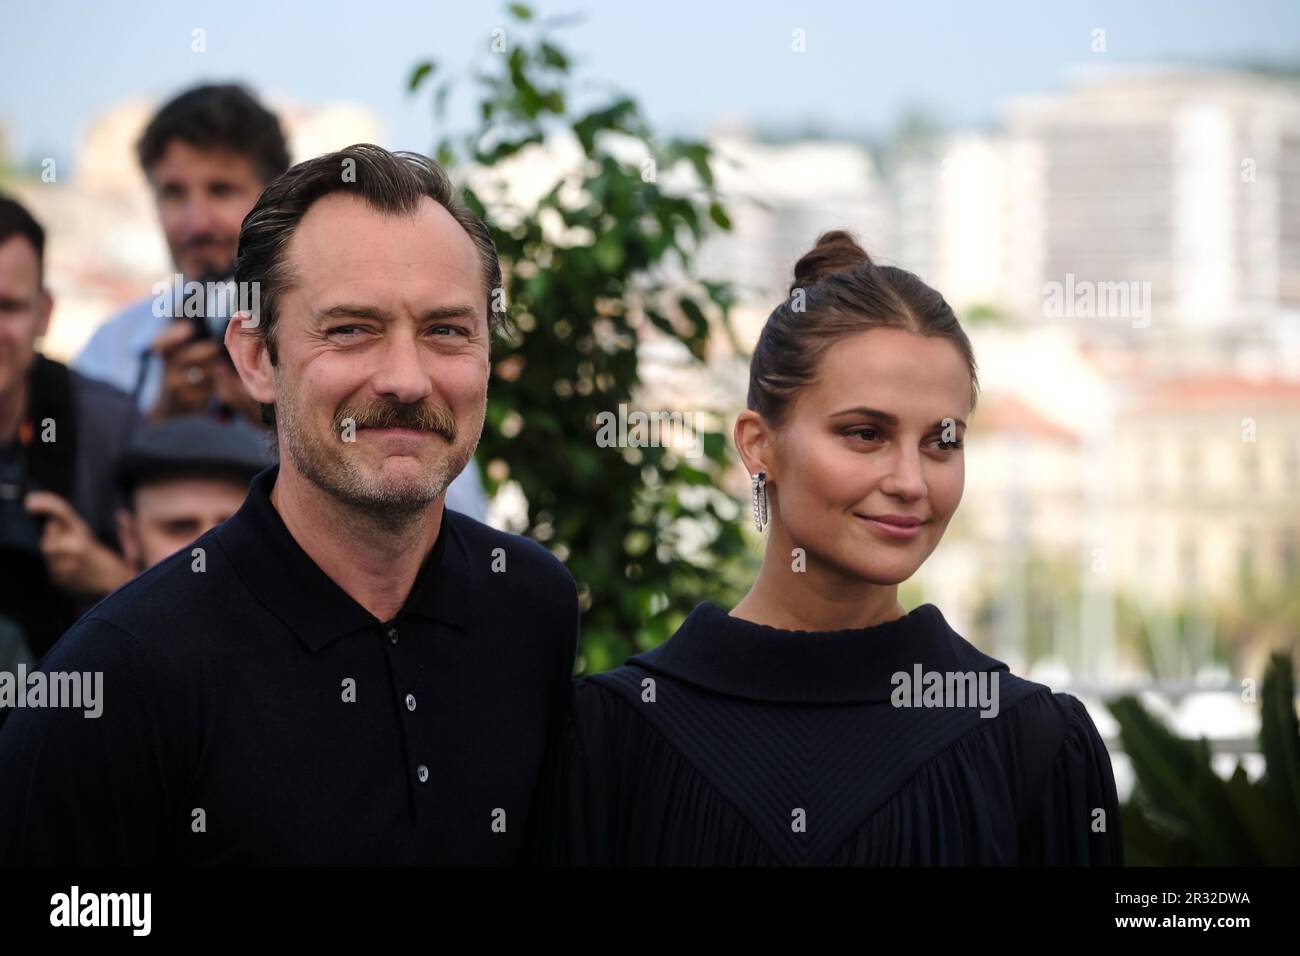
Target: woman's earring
x=760, y=499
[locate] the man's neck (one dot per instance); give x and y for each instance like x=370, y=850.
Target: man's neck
x=375, y=564
x=13, y=404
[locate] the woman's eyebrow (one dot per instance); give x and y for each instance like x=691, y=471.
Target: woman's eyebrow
x=886, y=417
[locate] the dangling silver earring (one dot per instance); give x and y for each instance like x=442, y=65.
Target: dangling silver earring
x=760, y=499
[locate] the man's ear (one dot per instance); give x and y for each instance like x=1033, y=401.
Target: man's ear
x=753, y=438
x=247, y=349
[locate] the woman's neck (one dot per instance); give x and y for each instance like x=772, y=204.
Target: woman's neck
x=815, y=598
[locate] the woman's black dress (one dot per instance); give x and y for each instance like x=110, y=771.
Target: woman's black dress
x=737, y=743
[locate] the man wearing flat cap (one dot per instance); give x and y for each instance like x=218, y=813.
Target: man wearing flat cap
x=345, y=671
x=181, y=477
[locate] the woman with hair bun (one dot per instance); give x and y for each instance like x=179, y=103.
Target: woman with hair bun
x=819, y=722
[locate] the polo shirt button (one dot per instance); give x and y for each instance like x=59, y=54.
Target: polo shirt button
x=410, y=702
x=392, y=635
x=423, y=773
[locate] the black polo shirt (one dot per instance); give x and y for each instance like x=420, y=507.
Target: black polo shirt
x=253, y=712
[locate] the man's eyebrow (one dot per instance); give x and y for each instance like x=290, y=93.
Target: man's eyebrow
x=348, y=311
x=886, y=417
x=461, y=311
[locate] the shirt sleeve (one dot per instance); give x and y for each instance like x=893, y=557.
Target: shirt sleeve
x=76, y=788
x=102, y=356
x=1076, y=819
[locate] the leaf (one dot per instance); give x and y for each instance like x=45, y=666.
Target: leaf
x=613, y=117
x=520, y=11
x=693, y=476
x=698, y=155
x=510, y=147
x=553, y=101
x=719, y=216
x=419, y=74
x=1261, y=820
x=1279, y=734
x=554, y=57
x=695, y=314
x=660, y=321
x=720, y=293
x=609, y=252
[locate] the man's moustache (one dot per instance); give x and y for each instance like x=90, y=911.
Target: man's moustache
x=430, y=421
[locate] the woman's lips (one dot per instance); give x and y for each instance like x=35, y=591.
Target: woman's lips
x=892, y=531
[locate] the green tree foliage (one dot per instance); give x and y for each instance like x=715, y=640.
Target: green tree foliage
x=593, y=265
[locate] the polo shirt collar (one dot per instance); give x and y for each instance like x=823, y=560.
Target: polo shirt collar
x=728, y=655
x=280, y=575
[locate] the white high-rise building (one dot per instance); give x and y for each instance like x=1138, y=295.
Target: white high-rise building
x=1187, y=180
x=964, y=210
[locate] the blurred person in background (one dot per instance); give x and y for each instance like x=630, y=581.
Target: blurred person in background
x=61, y=433
x=207, y=155
x=180, y=478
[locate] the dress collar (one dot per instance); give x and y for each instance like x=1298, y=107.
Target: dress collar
x=728, y=655
x=289, y=584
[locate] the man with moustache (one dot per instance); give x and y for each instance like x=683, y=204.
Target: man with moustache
x=207, y=154
x=345, y=671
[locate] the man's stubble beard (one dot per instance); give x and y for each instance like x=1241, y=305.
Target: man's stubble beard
x=332, y=467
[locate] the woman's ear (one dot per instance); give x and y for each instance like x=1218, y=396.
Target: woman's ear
x=753, y=439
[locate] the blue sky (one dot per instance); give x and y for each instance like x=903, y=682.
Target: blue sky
x=689, y=63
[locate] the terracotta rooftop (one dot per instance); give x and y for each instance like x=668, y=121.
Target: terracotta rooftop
x=1002, y=414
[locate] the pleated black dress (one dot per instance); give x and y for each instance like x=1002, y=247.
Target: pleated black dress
x=734, y=743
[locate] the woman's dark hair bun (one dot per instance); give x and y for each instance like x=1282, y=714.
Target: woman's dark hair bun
x=836, y=251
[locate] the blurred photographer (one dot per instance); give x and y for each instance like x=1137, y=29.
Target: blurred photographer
x=60, y=435
x=207, y=155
